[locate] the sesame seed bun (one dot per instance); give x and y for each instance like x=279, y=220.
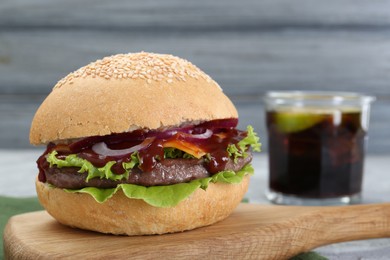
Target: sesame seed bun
x=121, y=215
x=125, y=92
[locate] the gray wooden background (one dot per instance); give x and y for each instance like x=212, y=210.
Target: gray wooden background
x=248, y=46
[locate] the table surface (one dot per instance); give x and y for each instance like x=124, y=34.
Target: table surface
x=20, y=168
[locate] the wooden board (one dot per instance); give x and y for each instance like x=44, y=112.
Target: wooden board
x=251, y=232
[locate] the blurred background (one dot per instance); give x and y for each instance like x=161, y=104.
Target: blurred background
x=248, y=46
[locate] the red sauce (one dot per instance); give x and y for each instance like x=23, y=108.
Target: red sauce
x=42, y=162
x=215, y=146
x=149, y=156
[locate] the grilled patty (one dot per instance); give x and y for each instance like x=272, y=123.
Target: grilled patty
x=166, y=172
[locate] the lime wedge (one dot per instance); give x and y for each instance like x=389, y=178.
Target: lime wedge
x=291, y=122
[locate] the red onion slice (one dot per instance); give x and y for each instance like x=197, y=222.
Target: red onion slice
x=102, y=149
x=168, y=133
x=208, y=133
x=220, y=123
x=83, y=143
x=164, y=134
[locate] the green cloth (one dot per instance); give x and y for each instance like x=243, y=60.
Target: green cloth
x=309, y=256
x=13, y=206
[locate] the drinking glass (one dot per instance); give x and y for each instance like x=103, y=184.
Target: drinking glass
x=316, y=143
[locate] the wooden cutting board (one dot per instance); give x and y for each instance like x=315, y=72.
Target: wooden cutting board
x=251, y=232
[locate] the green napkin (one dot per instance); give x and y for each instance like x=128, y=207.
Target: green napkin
x=13, y=206
x=309, y=256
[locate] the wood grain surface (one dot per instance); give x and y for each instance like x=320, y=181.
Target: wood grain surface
x=251, y=232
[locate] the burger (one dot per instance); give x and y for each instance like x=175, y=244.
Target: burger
x=139, y=144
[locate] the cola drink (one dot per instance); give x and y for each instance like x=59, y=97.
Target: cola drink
x=316, y=153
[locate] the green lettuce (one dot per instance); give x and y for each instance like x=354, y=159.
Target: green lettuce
x=134, y=161
x=73, y=160
x=239, y=150
x=169, y=195
x=173, y=153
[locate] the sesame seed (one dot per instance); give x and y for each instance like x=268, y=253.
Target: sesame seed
x=138, y=66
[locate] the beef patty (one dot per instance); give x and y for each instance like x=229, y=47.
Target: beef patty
x=166, y=172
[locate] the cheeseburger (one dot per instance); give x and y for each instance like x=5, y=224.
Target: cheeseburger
x=140, y=144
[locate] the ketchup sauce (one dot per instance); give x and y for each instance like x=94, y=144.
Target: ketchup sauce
x=224, y=133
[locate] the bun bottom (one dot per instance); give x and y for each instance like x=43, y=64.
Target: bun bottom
x=123, y=216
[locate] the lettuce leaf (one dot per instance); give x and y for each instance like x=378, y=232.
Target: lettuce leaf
x=251, y=140
x=134, y=161
x=239, y=150
x=73, y=160
x=173, y=153
x=169, y=195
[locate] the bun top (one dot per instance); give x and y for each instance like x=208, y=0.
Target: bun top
x=125, y=92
